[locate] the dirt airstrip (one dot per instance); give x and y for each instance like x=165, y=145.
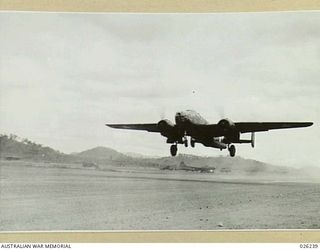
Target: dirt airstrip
x=53, y=197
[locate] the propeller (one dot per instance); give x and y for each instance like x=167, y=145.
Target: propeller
x=221, y=111
x=162, y=112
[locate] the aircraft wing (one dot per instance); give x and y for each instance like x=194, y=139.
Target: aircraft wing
x=150, y=127
x=215, y=129
x=245, y=127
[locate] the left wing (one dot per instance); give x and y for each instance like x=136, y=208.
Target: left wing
x=245, y=127
x=215, y=130
x=150, y=127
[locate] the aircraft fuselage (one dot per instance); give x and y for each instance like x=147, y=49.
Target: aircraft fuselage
x=188, y=121
x=185, y=118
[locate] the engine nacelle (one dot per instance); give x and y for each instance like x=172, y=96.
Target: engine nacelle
x=226, y=124
x=166, y=127
x=228, y=129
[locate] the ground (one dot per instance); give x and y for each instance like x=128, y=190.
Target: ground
x=53, y=197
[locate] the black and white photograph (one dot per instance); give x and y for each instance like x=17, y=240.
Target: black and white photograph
x=136, y=121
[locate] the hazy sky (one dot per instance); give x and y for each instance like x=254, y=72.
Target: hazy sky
x=63, y=76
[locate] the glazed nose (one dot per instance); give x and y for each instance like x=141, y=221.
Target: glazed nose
x=179, y=118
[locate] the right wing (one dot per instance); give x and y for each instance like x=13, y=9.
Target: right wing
x=150, y=127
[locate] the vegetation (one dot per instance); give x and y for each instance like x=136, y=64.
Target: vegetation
x=14, y=147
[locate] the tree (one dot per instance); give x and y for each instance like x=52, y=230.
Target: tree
x=13, y=137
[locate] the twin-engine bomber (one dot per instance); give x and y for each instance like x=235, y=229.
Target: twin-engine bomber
x=221, y=135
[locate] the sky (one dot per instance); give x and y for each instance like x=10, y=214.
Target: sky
x=64, y=75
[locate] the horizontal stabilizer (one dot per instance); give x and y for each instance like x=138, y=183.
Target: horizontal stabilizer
x=244, y=141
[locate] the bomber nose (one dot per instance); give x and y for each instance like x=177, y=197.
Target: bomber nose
x=179, y=118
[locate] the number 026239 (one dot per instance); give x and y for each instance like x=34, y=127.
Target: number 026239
x=309, y=246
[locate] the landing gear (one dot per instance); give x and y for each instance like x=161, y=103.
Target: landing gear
x=173, y=150
x=192, y=142
x=232, y=150
x=185, y=142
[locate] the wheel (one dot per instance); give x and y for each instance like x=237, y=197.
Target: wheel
x=173, y=150
x=232, y=150
x=192, y=143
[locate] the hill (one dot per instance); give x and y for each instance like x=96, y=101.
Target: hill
x=102, y=153
x=12, y=147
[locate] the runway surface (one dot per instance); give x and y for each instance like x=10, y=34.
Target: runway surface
x=53, y=197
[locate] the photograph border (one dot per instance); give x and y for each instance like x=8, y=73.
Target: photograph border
x=162, y=6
